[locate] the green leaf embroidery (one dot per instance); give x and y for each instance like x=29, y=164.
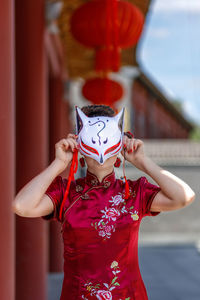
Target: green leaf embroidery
x=117, y=283
x=114, y=279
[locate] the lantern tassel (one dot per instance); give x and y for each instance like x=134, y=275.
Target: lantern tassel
x=116, y=50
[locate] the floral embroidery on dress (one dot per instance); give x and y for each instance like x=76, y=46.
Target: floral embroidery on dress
x=117, y=199
x=106, y=225
x=135, y=216
x=110, y=213
x=104, y=292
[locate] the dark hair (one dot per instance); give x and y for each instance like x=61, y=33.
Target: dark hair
x=98, y=110
x=101, y=110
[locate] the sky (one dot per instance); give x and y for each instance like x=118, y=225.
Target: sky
x=169, y=51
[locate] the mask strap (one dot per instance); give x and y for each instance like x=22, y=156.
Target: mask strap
x=127, y=191
x=73, y=170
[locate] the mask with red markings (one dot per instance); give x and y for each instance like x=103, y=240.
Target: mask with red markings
x=99, y=137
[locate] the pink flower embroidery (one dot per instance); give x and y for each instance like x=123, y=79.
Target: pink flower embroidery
x=111, y=213
x=104, y=295
x=105, y=226
x=106, y=230
x=116, y=200
x=98, y=291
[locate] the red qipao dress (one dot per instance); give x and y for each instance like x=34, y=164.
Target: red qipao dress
x=100, y=236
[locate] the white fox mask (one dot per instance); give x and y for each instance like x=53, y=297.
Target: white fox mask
x=99, y=137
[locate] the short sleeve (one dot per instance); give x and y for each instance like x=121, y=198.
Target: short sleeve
x=149, y=191
x=55, y=193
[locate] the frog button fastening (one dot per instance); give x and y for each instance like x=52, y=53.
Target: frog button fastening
x=78, y=188
x=106, y=184
x=94, y=182
x=132, y=193
x=85, y=196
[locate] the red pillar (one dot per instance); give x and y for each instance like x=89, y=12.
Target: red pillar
x=7, y=162
x=59, y=128
x=32, y=144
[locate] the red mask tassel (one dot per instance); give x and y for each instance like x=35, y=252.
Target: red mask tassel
x=73, y=170
x=127, y=191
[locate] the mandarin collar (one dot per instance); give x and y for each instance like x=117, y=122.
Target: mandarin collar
x=93, y=180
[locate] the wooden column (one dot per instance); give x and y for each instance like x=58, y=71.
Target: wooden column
x=7, y=162
x=31, y=143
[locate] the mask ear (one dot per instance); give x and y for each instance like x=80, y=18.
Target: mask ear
x=120, y=119
x=81, y=118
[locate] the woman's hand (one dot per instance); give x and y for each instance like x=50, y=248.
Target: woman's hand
x=133, y=151
x=65, y=148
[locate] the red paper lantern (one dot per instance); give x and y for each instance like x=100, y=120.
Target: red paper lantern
x=88, y=24
x=107, y=26
x=102, y=91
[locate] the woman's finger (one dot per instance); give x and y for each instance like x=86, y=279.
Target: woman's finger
x=71, y=135
x=71, y=141
x=75, y=143
x=138, y=143
x=128, y=145
x=125, y=140
x=62, y=143
x=72, y=144
x=131, y=145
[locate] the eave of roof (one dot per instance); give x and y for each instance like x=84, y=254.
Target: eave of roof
x=152, y=87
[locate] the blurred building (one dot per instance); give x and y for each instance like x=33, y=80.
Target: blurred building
x=154, y=116
x=35, y=115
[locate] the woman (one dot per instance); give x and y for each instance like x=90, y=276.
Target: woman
x=101, y=215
